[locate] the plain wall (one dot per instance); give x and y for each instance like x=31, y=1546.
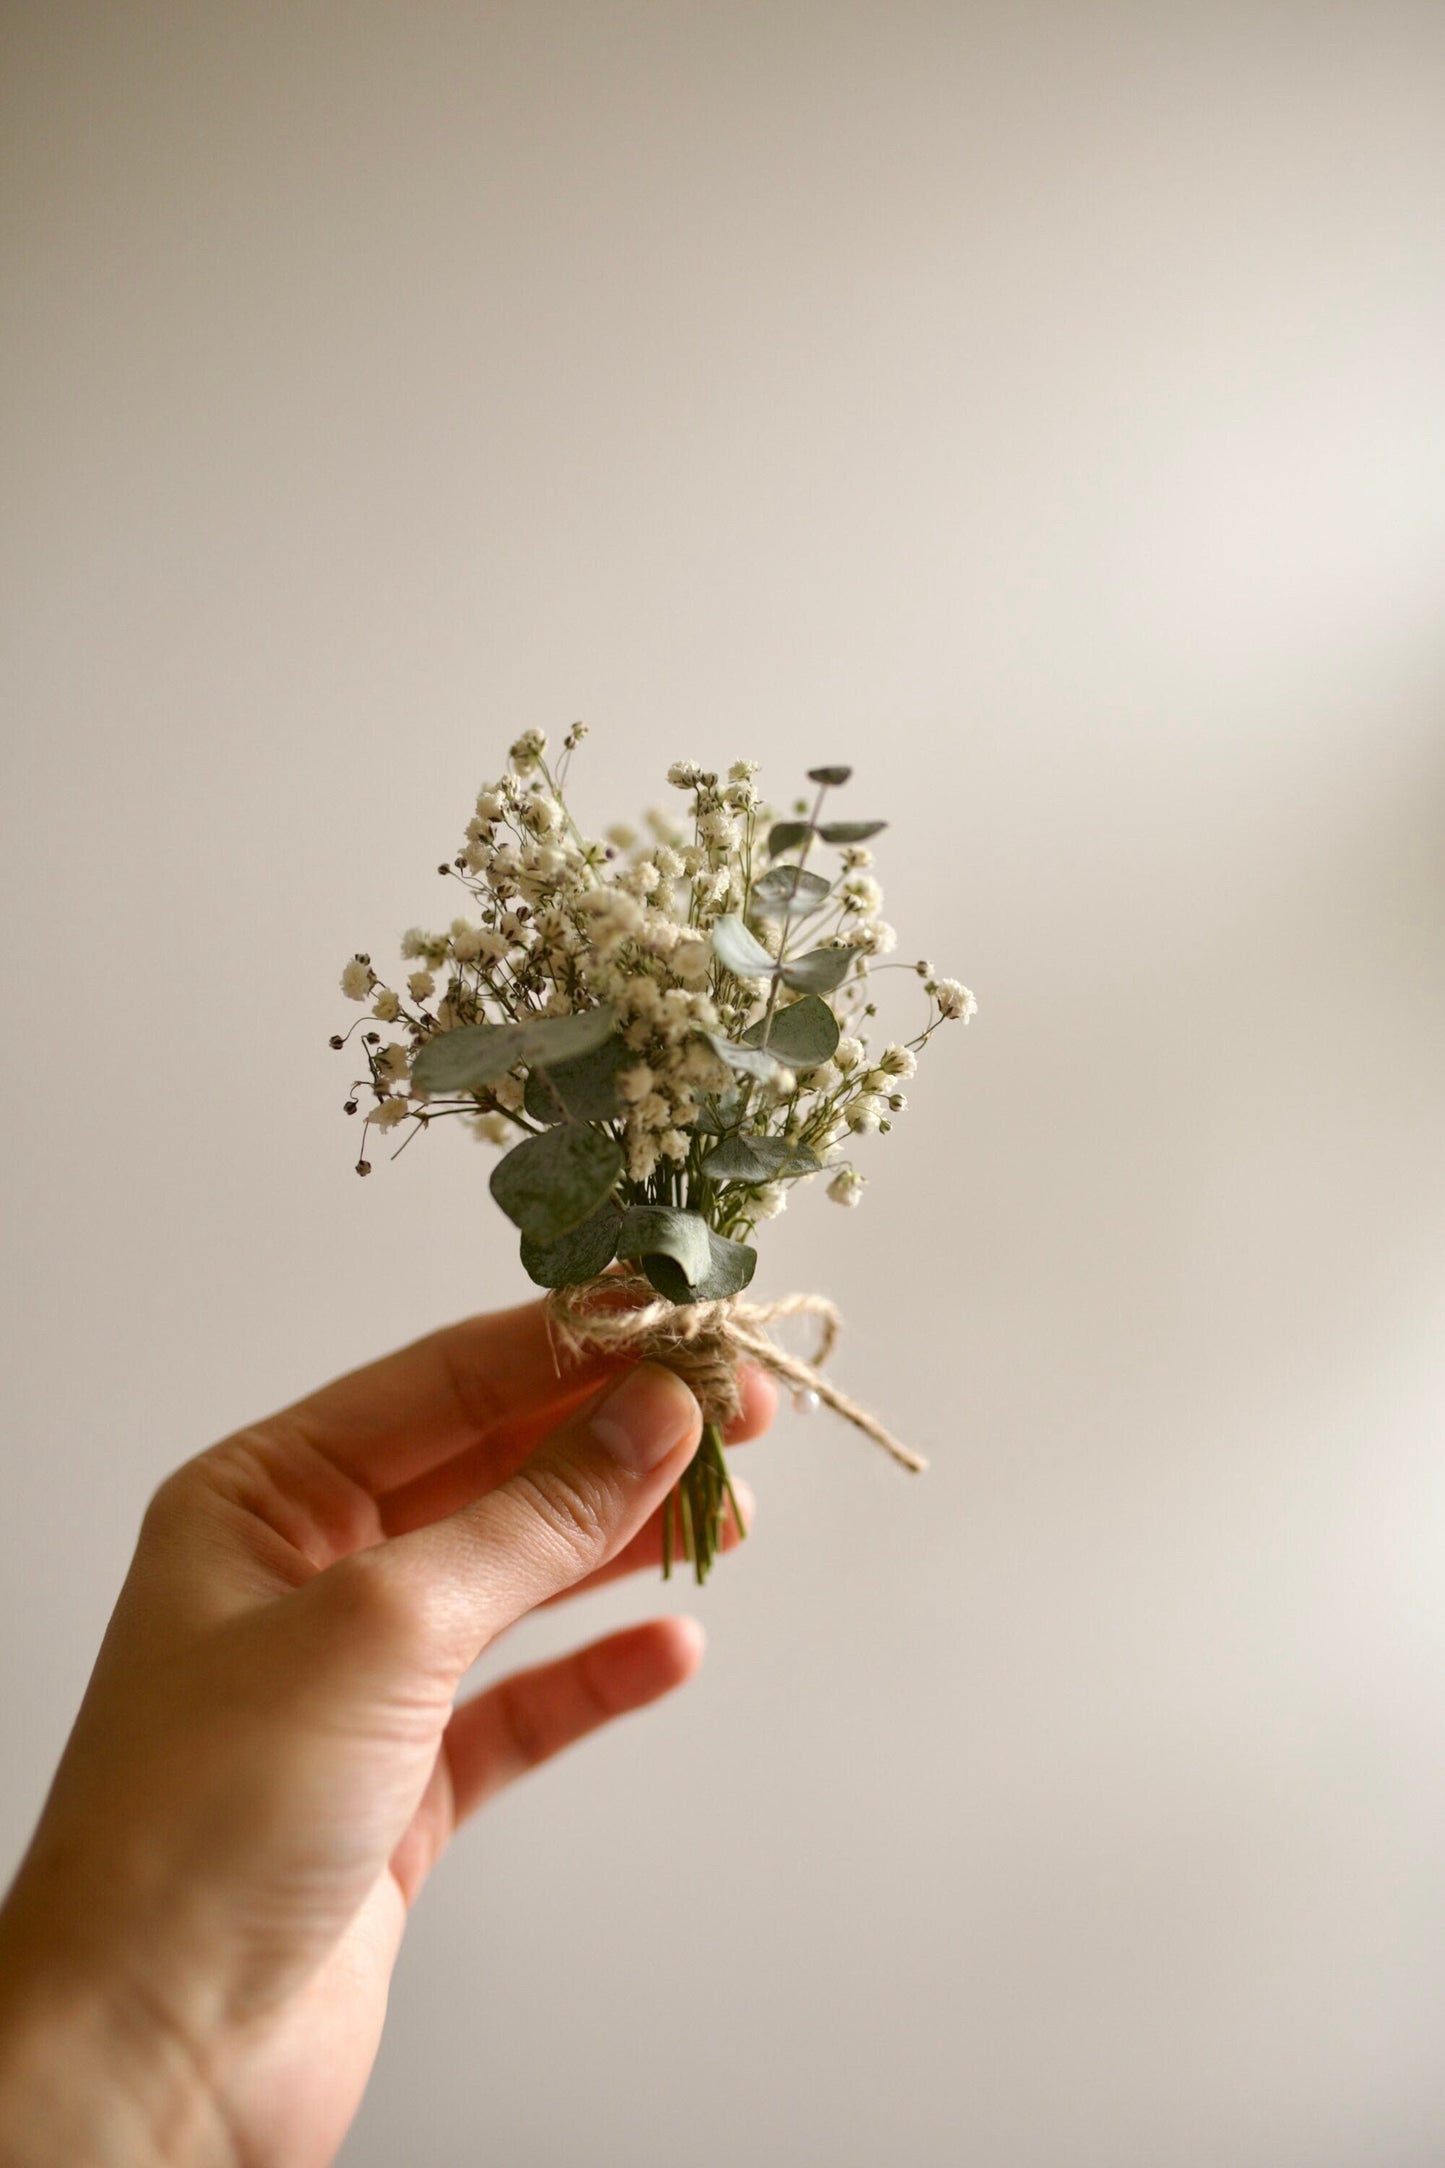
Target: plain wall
x=1038, y=407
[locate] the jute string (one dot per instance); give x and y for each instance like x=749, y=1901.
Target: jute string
x=704, y=1342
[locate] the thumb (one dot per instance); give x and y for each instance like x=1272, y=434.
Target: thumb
x=586, y=1490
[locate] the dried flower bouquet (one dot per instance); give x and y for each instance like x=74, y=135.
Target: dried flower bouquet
x=670, y=1033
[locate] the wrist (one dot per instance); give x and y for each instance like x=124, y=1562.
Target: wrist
x=90, y=2069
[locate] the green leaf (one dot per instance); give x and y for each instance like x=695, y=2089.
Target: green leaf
x=586, y=1086
x=580, y=1254
x=742, y=1060
x=475, y=1055
x=549, y=1039
x=802, y=1035
x=465, y=1059
x=787, y=836
x=851, y=831
x=775, y=895
x=819, y=971
x=740, y=951
x=759, y=1159
x=833, y=776
x=549, y=1184
x=662, y=1230
x=682, y=1256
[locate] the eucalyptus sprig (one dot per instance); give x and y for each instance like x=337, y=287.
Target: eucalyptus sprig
x=668, y=1033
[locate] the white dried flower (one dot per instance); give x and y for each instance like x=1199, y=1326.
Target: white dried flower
x=386, y=1006
x=641, y=1155
x=742, y=771
x=635, y=1084
x=846, y=1186
x=672, y=1144
x=620, y=834
x=394, y=1061
x=388, y=1112
x=528, y=751
x=770, y=1200
x=684, y=775
x=356, y=979
x=864, y=1116
x=861, y=893
x=421, y=985
x=491, y=806
x=954, y=1000
x=491, y=1128
x=898, y=1061
x=847, y=1053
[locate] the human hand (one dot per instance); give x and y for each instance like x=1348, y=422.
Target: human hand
x=268, y=1759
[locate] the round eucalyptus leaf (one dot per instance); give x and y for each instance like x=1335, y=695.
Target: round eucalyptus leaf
x=787, y=836
x=468, y=1057
x=585, y=1087
x=549, y=1039
x=851, y=831
x=578, y=1255
x=549, y=1184
x=742, y=1060
x=661, y=1230
x=832, y=776
x=788, y=887
x=740, y=951
x=725, y=1269
x=819, y=971
x=741, y=1158
x=802, y=1035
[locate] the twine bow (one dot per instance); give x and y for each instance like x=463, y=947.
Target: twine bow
x=703, y=1342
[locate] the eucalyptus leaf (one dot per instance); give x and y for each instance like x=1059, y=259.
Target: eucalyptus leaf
x=585, y=1087
x=802, y=1035
x=787, y=836
x=851, y=831
x=682, y=1256
x=776, y=894
x=741, y=951
x=663, y=1230
x=742, y=1060
x=549, y=1184
x=833, y=776
x=549, y=1039
x=467, y=1058
x=742, y=1158
x=819, y=971
x=580, y=1254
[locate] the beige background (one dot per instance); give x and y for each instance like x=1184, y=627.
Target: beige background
x=1040, y=408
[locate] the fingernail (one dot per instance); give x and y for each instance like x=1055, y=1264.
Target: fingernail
x=645, y=1416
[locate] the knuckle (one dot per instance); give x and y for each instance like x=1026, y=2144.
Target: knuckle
x=575, y=1512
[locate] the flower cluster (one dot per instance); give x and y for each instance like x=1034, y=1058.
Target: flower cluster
x=734, y=978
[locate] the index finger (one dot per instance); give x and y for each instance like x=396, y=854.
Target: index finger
x=479, y=1380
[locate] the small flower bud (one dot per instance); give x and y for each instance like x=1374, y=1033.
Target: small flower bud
x=336, y=1041
x=363, y=1166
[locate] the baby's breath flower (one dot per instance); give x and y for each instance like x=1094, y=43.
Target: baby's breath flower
x=635, y=1084
x=861, y=893
x=394, y=1061
x=954, y=999
x=388, y=1112
x=620, y=834
x=770, y=1200
x=684, y=775
x=491, y=805
x=421, y=985
x=846, y=1186
x=386, y=1006
x=672, y=1144
x=641, y=1155
x=356, y=978
x=847, y=1053
x=857, y=856
x=898, y=1061
x=491, y=1128
x=526, y=754
x=742, y=771
x=864, y=1116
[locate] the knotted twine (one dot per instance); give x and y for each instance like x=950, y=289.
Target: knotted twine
x=704, y=1341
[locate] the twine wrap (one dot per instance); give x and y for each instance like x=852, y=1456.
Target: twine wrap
x=704, y=1341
